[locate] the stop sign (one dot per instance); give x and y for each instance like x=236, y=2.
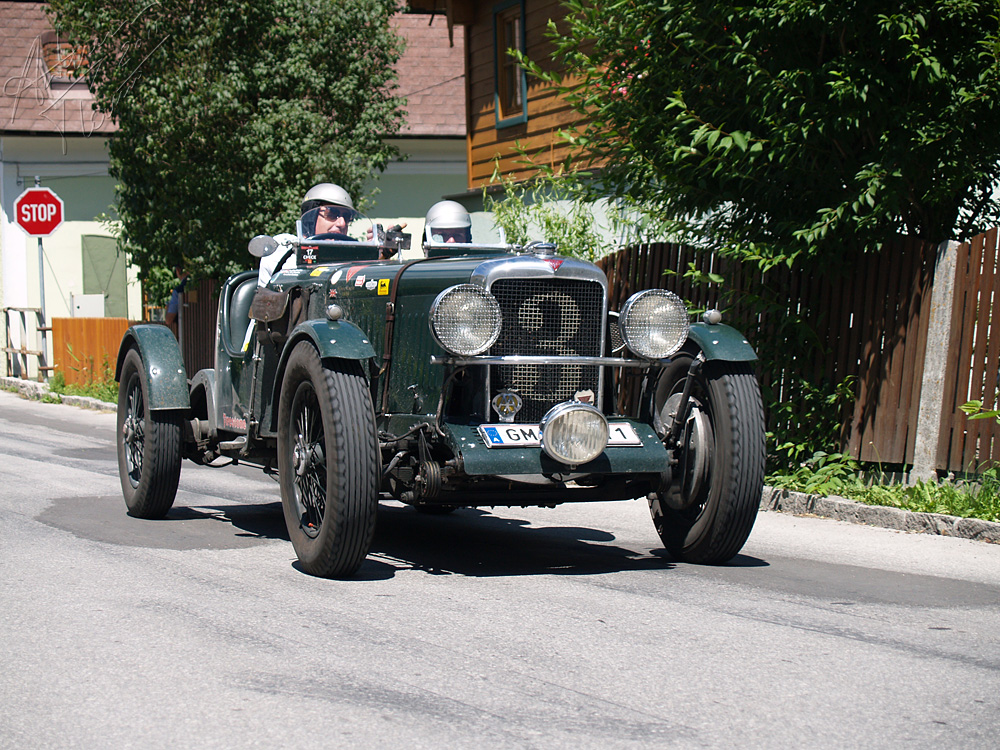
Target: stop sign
x=38, y=211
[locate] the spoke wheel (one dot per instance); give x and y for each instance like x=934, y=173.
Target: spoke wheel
x=308, y=460
x=708, y=511
x=328, y=461
x=149, y=445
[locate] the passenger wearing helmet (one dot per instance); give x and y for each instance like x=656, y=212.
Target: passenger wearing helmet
x=447, y=221
x=335, y=211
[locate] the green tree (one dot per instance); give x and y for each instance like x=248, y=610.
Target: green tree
x=789, y=127
x=229, y=111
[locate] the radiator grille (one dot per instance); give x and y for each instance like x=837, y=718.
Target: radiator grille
x=547, y=317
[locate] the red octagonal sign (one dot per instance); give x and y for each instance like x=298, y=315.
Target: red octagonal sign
x=38, y=211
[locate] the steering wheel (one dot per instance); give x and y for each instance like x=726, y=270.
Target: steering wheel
x=333, y=236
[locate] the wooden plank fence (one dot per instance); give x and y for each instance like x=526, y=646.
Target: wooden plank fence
x=865, y=317
x=973, y=356
x=83, y=349
x=200, y=310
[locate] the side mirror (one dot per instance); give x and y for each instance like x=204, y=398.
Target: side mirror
x=262, y=245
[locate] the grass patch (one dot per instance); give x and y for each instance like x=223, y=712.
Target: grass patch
x=102, y=387
x=838, y=474
x=102, y=390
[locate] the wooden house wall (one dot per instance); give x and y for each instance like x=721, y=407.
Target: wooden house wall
x=546, y=113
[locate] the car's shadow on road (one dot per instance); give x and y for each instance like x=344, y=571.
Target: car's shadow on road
x=102, y=518
x=249, y=521
x=474, y=542
x=469, y=541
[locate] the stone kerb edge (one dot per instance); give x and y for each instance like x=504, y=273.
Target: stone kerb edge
x=841, y=509
x=32, y=389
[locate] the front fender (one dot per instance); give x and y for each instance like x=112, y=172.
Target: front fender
x=340, y=339
x=722, y=342
x=166, y=377
x=333, y=339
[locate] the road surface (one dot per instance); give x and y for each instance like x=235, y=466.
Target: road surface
x=486, y=628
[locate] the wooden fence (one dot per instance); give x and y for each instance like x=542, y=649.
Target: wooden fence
x=85, y=349
x=973, y=356
x=199, y=315
x=864, y=320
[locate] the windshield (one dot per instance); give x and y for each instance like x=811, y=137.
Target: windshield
x=482, y=234
x=335, y=223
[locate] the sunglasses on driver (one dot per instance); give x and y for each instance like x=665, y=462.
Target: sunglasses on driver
x=333, y=213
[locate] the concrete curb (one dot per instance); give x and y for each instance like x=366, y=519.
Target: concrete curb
x=32, y=389
x=842, y=509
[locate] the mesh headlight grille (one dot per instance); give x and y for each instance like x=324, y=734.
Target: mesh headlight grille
x=654, y=323
x=554, y=318
x=465, y=320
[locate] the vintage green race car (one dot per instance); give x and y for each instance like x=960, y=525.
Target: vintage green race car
x=476, y=375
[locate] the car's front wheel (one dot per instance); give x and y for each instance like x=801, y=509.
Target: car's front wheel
x=707, y=512
x=149, y=445
x=328, y=461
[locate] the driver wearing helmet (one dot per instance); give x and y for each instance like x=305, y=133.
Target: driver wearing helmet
x=336, y=210
x=447, y=221
x=327, y=209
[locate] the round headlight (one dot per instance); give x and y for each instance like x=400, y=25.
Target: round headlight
x=465, y=320
x=573, y=433
x=654, y=323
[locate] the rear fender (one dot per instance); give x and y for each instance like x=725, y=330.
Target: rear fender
x=203, y=399
x=166, y=378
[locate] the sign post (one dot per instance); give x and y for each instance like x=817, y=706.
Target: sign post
x=39, y=212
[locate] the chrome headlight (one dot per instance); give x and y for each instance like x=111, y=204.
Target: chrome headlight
x=465, y=320
x=654, y=323
x=573, y=433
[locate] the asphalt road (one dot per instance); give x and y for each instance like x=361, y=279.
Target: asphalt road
x=505, y=628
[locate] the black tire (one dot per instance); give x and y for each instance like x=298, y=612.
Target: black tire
x=328, y=462
x=149, y=445
x=707, y=513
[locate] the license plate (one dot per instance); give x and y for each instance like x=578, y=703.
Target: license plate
x=528, y=436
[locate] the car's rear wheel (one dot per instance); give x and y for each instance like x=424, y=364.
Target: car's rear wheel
x=328, y=461
x=707, y=513
x=149, y=445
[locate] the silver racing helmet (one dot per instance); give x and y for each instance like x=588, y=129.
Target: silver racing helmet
x=325, y=194
x=318, y=196
x=447, y=221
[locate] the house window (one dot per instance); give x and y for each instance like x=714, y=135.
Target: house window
x=508, y=34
